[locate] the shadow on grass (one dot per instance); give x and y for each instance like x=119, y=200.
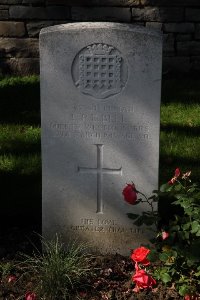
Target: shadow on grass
x=181, y=91
x=20, y=201
x=181, y=130
x=20, y=101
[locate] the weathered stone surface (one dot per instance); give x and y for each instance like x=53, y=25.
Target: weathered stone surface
x=19, y=66
x=11, y=1
x=12, y=29
x=101, y=14
x=95, y=2
x=171, y=3
x=29, y=12
x=192, y=14
x=188, y=48
x=15, y=47
x=197, y=32
x=4, y=7
x=184, y=37
x=154, y=25
x=33, y=1
x=98, y=133
x=176, y=65
x=4, y=14
x=168, y=45
x=158, y=14
x=179, y=27
x=33, y=28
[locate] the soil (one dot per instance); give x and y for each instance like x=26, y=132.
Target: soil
x=110, y=280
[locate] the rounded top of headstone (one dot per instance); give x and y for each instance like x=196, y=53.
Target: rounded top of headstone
x=100, y=25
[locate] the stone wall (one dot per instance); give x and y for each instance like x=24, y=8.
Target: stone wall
x=21, y=21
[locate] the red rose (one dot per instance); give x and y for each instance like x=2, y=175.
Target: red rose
x=30, y=296
x=139, y=255
x=130, y=194
x=176, y=175
x=143, y=280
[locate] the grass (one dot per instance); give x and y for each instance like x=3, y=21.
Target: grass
x=180, y=127
x=57, y=272
x=20, y=161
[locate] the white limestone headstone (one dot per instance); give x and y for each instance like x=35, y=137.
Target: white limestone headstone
x=100, y=103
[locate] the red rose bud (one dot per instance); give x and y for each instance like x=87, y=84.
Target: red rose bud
x=177, y=173
x=143, y=280
x=12, y=278
x=130, y=194
x=30, y=296
x=139, y=255
x=165, y=235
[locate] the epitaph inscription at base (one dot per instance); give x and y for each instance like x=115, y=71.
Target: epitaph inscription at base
x=100, y=103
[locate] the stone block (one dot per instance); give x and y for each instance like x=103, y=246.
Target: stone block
x=38, y=13
x=176, y=65
x=179, y=27
x=33, y=28
x=101, y=14
x=188, y=48
x=12, y=29
x=15, y=47
x=154, y=25
x=197, y=32
x=171, y=3
x=100, y=104
x=158, y=14
x=192, y=14
x=183, y=37
x=195, y=64
x=94, y=2
x=19, y=66
x=4, y=14
x=168, y=45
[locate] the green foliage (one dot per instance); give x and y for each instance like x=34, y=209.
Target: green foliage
x=182, y=254
x=177, y=254
x=57, y=271
x=5, y=269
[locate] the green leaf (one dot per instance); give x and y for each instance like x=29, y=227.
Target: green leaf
x=195, y=226
x=165, y=187
x=152, y=256
x=165, y=277
x=178, y=187
x=183, y=290
x=186, y=226
x=132, y=216
x=163, y=257
x=139, y=221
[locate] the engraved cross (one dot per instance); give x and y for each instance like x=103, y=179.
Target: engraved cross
x=99, y=171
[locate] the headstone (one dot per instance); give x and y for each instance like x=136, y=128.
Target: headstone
x=100, y=102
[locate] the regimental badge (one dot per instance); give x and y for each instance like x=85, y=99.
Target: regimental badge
x=99, y=70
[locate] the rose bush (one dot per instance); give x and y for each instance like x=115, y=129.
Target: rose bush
x=175, y=249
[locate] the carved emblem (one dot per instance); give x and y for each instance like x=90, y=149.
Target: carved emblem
x=99, y=70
